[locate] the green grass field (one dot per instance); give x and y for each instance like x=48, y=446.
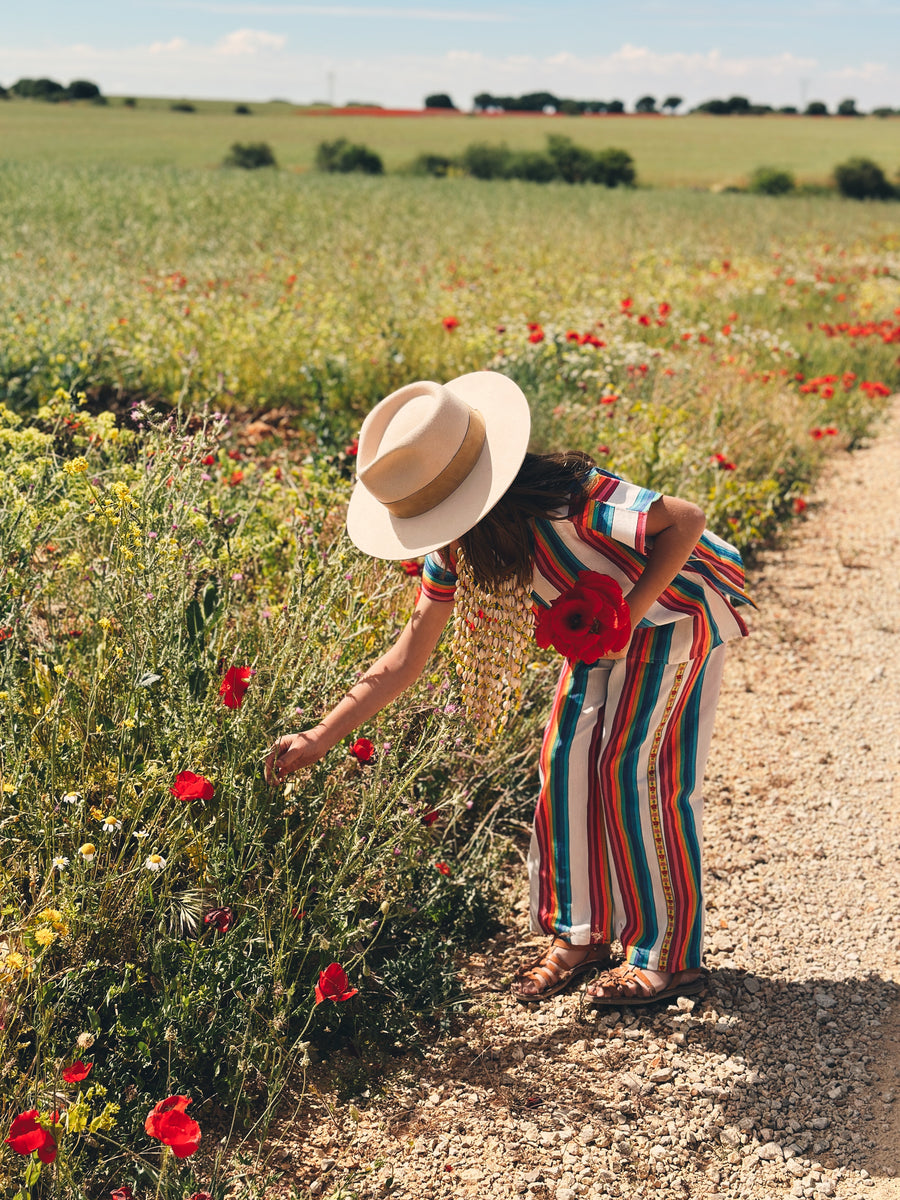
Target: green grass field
x=691, y=151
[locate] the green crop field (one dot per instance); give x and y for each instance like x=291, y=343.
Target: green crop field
x=690, y=151
x=185, y=358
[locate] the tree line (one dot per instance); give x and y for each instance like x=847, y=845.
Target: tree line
x=733, y=106
x=53, y=91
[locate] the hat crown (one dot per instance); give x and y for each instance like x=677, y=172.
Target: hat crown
x=409, y=439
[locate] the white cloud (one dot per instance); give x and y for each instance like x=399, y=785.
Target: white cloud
x=175, y=46
x=249, y=41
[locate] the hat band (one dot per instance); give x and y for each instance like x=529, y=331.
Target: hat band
x=447, y=481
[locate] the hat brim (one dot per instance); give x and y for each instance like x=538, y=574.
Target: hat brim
x=507, y=421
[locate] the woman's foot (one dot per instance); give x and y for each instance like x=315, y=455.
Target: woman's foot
x=626, y=985
x=559, y=964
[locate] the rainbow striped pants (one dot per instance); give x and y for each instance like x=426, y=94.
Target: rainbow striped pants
x=616, y=847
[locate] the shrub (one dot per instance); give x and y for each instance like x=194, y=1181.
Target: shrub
x=182, y=106
x=486, y=161
x=573, y=163
x=862, y=179
x=250, y=155
x=129, y=102
x=847, y=108
x=38, y=89
x=532, y=166
x=242, y=110
x=816, y=109
x=771, y=181
x=612, y=167
x=437, y=165
x=4, y=92
x=439, y=100
x=343, y=157
x=884, y=112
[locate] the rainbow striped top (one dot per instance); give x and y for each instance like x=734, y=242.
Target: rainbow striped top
x=696, y=612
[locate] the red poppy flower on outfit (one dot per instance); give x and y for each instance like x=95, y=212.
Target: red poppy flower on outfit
x=77, y=1072
x=235, y=683
x=221, y=918
x=27, y=1135
x=334, y=985
x=450, y=323
x=586, y=622
x=123, y=1193
x=411, y=566
x=169, y=1123
x=363, y=750
x=189, y=786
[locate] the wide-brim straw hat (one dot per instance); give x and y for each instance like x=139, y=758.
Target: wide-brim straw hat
x=433, y=459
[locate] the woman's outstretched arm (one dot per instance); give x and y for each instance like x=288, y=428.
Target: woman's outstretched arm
x=386, y=678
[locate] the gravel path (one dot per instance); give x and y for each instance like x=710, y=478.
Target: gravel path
x=781, y=1079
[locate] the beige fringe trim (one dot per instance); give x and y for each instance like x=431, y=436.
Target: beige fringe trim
x=493, y=642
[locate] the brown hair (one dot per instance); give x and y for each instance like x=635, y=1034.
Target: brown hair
x=501, y=545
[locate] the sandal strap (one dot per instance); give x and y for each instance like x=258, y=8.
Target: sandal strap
x=549, y=969
x=619, y=977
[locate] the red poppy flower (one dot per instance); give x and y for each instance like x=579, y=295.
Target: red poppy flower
x=77, y=1072
x=430, y=818
x=189, y=786
x=353, y=449
x=450, y=323
x=208, y=460
x=817, y=434
x=26, y=1135
x=536, y=335
x=411, y=566
x=169, y=1123
x=830, y=431
x=800, y=505
x=200, y=1196
x=442, y=867
x=334, y=985
x=235, y=683
x=123, y=1193
x=722, y=462
x=588, y=621
x=664, y=309
x=221, y=918
x=236, y=478
x=626, y=304
x=363, y=750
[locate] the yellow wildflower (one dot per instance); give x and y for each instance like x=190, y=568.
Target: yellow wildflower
x=14, y=960
x=51, y=914
x=76, y=466
x=45, y=936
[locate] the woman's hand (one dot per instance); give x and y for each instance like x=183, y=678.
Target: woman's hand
x=293, y=751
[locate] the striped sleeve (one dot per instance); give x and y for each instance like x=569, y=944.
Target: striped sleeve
x=438, y=581
x=618, y=510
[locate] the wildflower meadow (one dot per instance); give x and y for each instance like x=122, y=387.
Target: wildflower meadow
x=186, y=359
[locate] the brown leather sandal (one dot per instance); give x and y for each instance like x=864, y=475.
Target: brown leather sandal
x=630, y=986
x=551, y=973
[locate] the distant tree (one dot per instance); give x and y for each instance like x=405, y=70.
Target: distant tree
x=646, y=104
x=249, y=156
x=130, y=102
x=439, y=100
x=242, y=110
x=816, y=109
x=738, y=104
x=484, y=100
x=771, y=181
x=536, y=102
x=789, y=109
x=182, y=106
x=343, y=157
x=571, y=108
x=883, y=112
x=38, y=89
x=862, y=179
x=758, y=110
x=672, y=102
x=615, y=106
x=82, y=89
x=847, y=108
x=4, y=92
x=718, y=108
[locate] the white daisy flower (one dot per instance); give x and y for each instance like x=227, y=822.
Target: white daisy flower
x=71, y=798
x=140, y=834
x=111, y=824
x=88, y=851
x=59, y=863
x=155, y=862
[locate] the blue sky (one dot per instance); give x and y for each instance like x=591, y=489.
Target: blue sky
x=394, y=54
